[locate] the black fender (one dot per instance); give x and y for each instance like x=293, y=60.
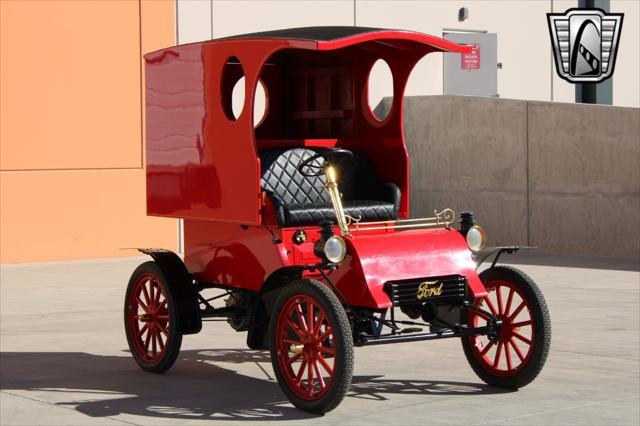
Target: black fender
x=257, y=337
x=181, y=286
x=485, y=254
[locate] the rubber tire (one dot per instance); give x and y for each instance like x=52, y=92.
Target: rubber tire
x=175, y=337
x=343, y=370
x=542, y=325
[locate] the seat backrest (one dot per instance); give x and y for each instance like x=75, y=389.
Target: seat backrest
x=280, y=175
x=357, y=178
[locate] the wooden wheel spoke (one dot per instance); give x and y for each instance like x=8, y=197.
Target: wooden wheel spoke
x=490, y=305
x=310, y=317
x=142, y=304
x=152, y=294
x=521, y=324
x=521, y=337
x=292, y=342
x=163, y=329
x=517, y=311
x=310, y=377
x=164, y=303
x=486, y=348
x=145, y=292
x=509, y=302
x=147, y=341
x=328, y=351
x=327, y=333
x=496, y=360
x=154, y=337
x=295, y=328
x=294, y=358
x=142, y=330
x=320, y=319
x=507, y=353
x=500, y=305
x=325, y=364
x=318, y=375
x=517, y=349
x=162, y=317
x=158, y=295
x=301, y=319
x=303, y=365
x=161, y=341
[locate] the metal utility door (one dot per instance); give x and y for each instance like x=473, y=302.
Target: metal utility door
x=476, y=73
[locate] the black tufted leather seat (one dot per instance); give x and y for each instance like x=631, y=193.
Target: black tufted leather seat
x=299, y=200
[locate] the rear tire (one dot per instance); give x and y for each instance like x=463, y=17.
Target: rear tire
x=516, y=357
x=151, y=320
x=311, y=346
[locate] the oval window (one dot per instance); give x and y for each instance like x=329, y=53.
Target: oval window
x=237, y=98
x=259, y=101
x=260, y=104
x=232, y=88
x=380, y=90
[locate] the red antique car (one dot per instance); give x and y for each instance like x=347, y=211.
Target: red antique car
x=301, y=220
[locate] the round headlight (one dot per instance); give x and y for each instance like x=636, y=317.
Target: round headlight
x=335, y=249
x=476, y=238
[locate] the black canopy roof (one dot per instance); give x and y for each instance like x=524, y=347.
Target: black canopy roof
x=310, y=33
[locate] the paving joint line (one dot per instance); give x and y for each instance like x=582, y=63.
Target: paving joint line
x=64, y=407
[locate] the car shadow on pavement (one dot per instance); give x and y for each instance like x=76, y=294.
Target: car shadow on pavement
x=195, y=388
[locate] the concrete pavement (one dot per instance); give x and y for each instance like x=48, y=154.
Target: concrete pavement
x=64, y=360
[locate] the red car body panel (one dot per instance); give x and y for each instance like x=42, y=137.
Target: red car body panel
x=244, y=257
x=191, y=139
x=203, y=163
x=420, y=253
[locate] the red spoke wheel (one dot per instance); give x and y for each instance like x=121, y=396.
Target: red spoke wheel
x=311, y=346
x=150, y=319
x=514, y=357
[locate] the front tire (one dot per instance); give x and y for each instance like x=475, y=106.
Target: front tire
x=516, y=356
x=151, y=320
x=311, y=346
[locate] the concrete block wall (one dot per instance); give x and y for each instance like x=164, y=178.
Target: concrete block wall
x=562, y=177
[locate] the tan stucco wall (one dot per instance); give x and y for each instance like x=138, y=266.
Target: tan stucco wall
x=562, y=177
x=71, y=156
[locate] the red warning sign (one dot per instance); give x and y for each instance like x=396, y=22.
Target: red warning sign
x=471, y=61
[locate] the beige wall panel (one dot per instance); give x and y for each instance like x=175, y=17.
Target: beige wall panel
x=526, y=66
x=469, y=153
x=626, y=76
x=194, y=21
x=583, y=178
x=57, y=215
x=238, y=17
x=70, y=84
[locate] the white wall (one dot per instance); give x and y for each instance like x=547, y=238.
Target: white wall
x=626, y=76
x=524, y=46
